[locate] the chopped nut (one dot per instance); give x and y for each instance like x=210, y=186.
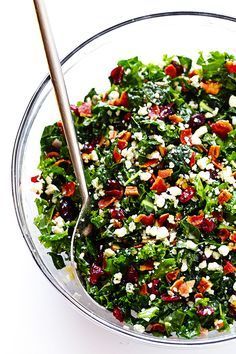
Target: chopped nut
x=131, y=191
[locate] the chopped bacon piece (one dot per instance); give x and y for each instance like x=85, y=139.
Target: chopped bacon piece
x=192, y=159
x=154, y=111
x=156, y=327
x=118, y=314
x=229, y=268
x=116, y=75
x=217, y=165
x=175, y=287
x=123, y=100
x=126, y=136
x=185, y=136
x=198, y=296
x=147, y=220
x=204, y=285
x=224, y=196
x=178, y=216
x=187, y=194
x=59, y=162
x=68, y=189
x=221, y=128
x=159, y=185
x=122, y=144
x=163, y=150
x=195, y=220
x=214, y=152
x=151, y=162
x=52, y=154
x=231, y=67
x=131, y=191
x=146, y=266
x=211, y=87
x=35, y=179
x=163, y=218
x=127, y=116
x=165, y=173
x=106, y=201
x=175, y=119
x=95, y=273
x=143, y=289
x=116, y=155
x=224, y=234
x=171, y=276
x=85, y=110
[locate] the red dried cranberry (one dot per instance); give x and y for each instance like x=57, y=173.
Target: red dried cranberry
x=197, y=120
x=168, y=298
x=68, y=189
x=114, y=193
x=153, y=289
x=113, y=184
x=95, y=273
x=207, y=225
x=74, y=109
x=116, y=75
x=34, y=179
x=132, y=275
x=166, y=111
x=118, y=314
x=187, y=194
x=178, y=67
x=204, y=311
x=67, y=209
x=117, y=214
x=156, y=327
x=127, y=116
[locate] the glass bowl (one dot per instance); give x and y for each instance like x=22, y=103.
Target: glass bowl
x=88, y=65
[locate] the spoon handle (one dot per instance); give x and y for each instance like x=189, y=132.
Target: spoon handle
x=62, y=97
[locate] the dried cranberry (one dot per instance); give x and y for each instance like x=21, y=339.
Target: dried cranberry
x=204, y=311
x=116, y=75
x=67, y=209
x=132, y=275
x=74, y=109
x=35, y=179
x=118, y=314
x=114, y=193
x=89, y=146
x=113, y=184
x=178, y=67
x=95, y=273
x=213, y=174
x=117, y=214
x=207, y=225
x=127, y=117
x=197, y=120
x=166, y=111
x=156, y=327
x=168, y=298
x=68, y=189
x=153, y=289
x=187, y=194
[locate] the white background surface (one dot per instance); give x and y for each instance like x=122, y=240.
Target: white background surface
x=34, y=317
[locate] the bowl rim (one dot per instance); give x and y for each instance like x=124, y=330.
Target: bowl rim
x=16, y=192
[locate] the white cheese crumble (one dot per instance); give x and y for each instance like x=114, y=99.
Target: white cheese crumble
x=120, y=232
x=59, y=224
x=223, y=250
x=232, y=101
x=152, y=297
x=117, y=278
x=191, y=245
x=195, y=81
x=142, y=111
x=205, y=176
x=198, y=133
x=159, y=201
x=113, y=95
x=139, y=328
x=226, y=175
x=202, y=163
x=138, y=135
x=159, y=232
x=175, y=191
x=154, y=155
x=202, y=265
x=38, y=187
x=184, y=266
x=208, y=252
x=145, y=176
x=51, y=188
x=129, y=288
x=132, y=226
x=214, y=266
x=234, y=286
x=109, y=253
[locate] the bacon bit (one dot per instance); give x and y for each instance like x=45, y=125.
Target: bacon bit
x=131, y=191
x=185, y=136
x=171, y=276
x=154, y=112
x=233, y=237
x=224, y=196
x=224, y=234
x=56, y=215
x=152, y=162
x=117, y=224
x=146, y=266
x=52, y=154
x=103, y=141
x=175, y=119
x=68, y=189
x=147, y=220
x=132, y=275
x=192, y=159
x=116, y=155
x=118, y=193
x=203, y=331
x=214, y=152
x=35, y=179
x=159, y=185
x=231, y=67
x=165, y=173
x=162, y=219
x=118, y=314
x=127, y=116
x=229, y=268
x=169, y=298
x=211, y=87
x=106, y=201
x=143, y=289
x=59, y=162
x=122, y=144
x=204, y=285
x=171, y=71
x=195, y=220
x=156, y=327
x=85, y=109
x=162, y=150
x=218, y=215
x=112, y=134
x=122, y=100
x=116, y=75
x=221, y=128
x=126, y=136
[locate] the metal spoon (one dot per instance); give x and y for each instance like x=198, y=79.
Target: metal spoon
x=68, y=124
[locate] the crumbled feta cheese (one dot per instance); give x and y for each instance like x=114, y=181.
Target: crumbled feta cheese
x=121, y=232
x=145, y=176
x=117, y=278
x=139, y=328
x=37, y=187
x=59, y=221
x=128, y=164
x=184, y=266
x=95, y=183
x=232, y=299
x=171, y=219
x=234, y=120
x=132, y=226
x=113, y=95
x=226, y=175
x=171, y=164
x=159, y=201
x=129, y=288
x=223, y=250
x=195, y=81
x=51, y=188
x=175, y=191
x=203, y=264
x=152, y=297
x=202, y=163
x=191, y=245
x=154, y=155
x=208, y=252
x=159, y=232
x=193, y=105
x=216, y=255
x=212, y=114
x=138, y=135
x=214, y=266
x=109, y=253
x=205, y=176
x=142, y=111
x=232, y=101
x=57, y=143
x=198, y=133
x=158, y=138
x=234, y=286
x=94, y=156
